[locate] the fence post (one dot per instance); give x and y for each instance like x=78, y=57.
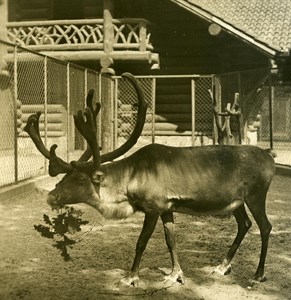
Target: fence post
x=99, y=117
x=154, y=82
x=85, y=85
x=106, y=111
x=217, y=95
x=193, y=128
x=69, y=134
x=242, y=124
x=15, y=116
x=271, y=98
x=115, y=112
x=45, y=108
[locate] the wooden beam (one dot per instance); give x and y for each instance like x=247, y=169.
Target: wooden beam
x=92, y=55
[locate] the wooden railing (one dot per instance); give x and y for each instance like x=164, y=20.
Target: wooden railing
x=129, y=34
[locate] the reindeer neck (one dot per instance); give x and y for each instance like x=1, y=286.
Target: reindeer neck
x=113, y=200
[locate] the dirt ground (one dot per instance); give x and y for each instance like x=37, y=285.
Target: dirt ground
x=30, y=268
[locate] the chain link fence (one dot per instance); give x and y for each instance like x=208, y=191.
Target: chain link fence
x=280, y=108
x=179, y=112
x=126, y=107
x=180, y=109
x=31, y=82
x=265, y=102
x=203, y=111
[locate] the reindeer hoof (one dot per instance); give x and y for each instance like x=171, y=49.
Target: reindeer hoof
x=222, y=269
x=259, y=278
x=130, y=281
x=175, y=277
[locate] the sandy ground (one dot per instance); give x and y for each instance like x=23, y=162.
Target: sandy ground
x=30, y=268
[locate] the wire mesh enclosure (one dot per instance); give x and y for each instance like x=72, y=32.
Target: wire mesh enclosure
x=30, y=83
x=264, y=99
x=279, y=117
x=180, y=111
x=126, y=105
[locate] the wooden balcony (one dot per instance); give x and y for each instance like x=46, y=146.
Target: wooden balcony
x=85, y=39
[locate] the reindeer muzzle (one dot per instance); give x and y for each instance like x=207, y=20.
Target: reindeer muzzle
x=53, y=201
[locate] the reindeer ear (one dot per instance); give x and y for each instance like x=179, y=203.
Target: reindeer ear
x=97, y=176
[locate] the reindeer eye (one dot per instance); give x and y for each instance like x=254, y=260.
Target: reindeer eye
x=82, y=178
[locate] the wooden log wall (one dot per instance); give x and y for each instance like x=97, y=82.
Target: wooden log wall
x=56, y=119
x=173, y=106
x=30, y=10
x=93, y=9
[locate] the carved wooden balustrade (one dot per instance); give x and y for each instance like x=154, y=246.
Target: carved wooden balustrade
x=129, y=34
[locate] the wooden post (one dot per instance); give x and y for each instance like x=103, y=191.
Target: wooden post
x=108, y=29
x=217, y=95
x=8, y=103
x=3, y=19
x=3, y=36
x=193, y=100
x=232, y=114
x=108, y=37
x=107, y=93
x=107, y=105
x=142, y=36
x=271, y=101
x=154, y=85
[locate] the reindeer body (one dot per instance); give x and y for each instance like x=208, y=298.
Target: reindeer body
x=195, y=180
x=160, y=180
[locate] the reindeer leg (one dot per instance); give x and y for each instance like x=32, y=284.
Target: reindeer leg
x=259, y=213
x=244, y=224
x=169, y=229
x=149, y=225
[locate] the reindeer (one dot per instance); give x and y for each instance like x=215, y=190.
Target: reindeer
x=160, y=180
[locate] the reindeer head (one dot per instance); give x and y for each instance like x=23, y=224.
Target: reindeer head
x=81, y=183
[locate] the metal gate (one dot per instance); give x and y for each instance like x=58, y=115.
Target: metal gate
x=179, y=112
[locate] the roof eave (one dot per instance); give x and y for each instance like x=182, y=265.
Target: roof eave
x=267, y=50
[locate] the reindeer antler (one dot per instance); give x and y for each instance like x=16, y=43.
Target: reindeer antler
x=88, y=152
x=56, y=165
x=141, y=116
x=87, y=128
x=86, y=124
